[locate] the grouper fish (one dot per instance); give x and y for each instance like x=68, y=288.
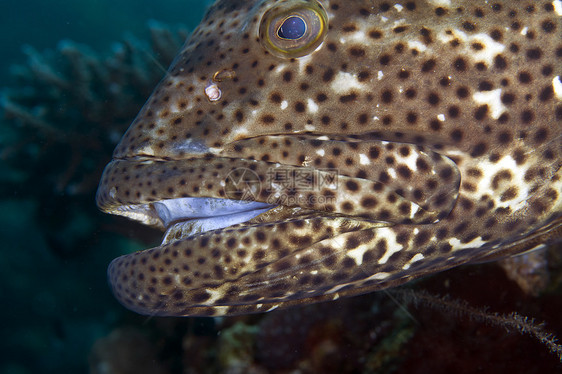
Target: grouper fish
x=304, y=150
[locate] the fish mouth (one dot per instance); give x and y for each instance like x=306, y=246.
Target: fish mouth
x=183, y=217
x=188, y=216
x=228, y=225
x=191, y=196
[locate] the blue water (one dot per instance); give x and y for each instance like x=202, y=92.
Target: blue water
x=94, y=22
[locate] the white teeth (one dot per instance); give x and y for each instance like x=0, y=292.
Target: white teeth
x=191, y=215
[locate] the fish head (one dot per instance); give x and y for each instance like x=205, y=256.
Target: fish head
x=301, y=150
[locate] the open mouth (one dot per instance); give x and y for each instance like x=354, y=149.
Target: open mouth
x=188, y=197
x=238, y=228
x=184, y=217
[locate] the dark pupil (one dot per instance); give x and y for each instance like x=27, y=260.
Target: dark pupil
x=292, y=28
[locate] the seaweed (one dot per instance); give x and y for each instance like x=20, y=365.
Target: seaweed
x=460, y=308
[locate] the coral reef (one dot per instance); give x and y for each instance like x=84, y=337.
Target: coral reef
x=76, y=103
x=115, y=353
x=529, y=270
x=62, y=119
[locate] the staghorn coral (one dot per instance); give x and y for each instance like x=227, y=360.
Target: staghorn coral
x=61, y=119
x=72, y=104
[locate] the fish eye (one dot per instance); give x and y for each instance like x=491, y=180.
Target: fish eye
x=294, y=28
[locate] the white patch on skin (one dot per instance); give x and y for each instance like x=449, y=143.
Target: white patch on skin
x=475, y=243
x=240, y=132
x=410, y=160
x=392, y=245
x=399, y=22
x=398, y=7
x=149, y=150
x=414, y=210
x=524, y=31
x=557, y=86
x=309, y=127
x=378, y=276
x=493, y=100
x=215, y=295
x=484, y=187
x=284, y=104
x=416, y=258
x=358, y=36
x=380, y=74
x=312, y=106
x=445, y=3
x=303, y=62
x=491, y=47
x=280, y=69
x=414, y=44
x=441, y=117
x=557, y=7
x=320, y=152
x=392, y=173
x=345, y=82
x=363, y=159
x=357, y=253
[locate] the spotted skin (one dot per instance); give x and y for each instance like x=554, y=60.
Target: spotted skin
x=443, y=120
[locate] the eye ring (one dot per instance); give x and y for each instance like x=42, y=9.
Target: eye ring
x=294, y=28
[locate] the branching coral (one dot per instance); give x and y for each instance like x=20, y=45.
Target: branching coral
x=71, y=105
x=62, y=119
